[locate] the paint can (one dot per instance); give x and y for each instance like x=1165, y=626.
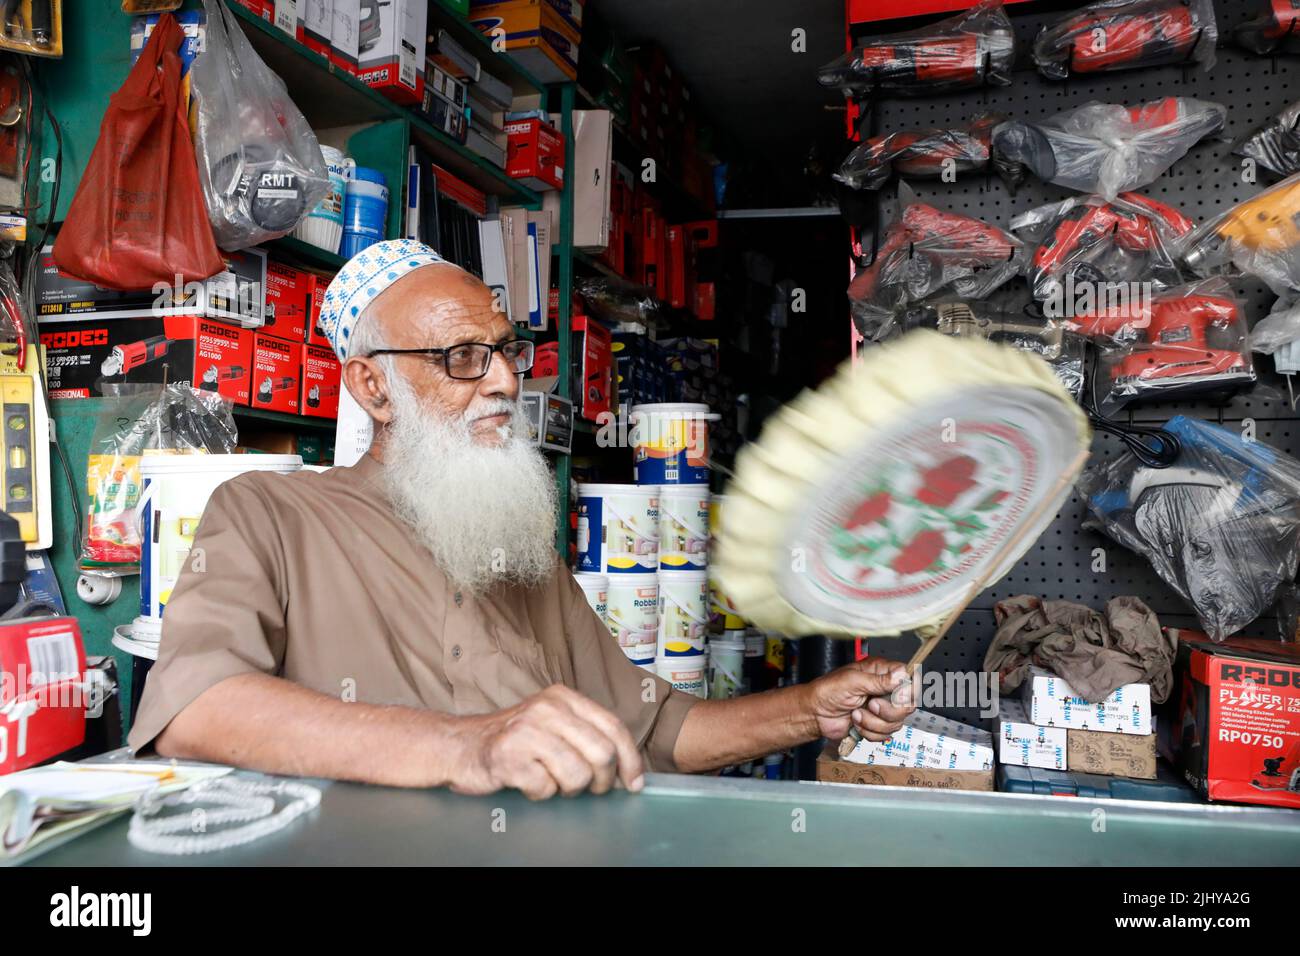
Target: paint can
x=726, y=665
x=685, y=673
x=595, y=587
x=671, y=443
x=683, y=613
x=618, y=529
x=632, y=615
x=683, y=527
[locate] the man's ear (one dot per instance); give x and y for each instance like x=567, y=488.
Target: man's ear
x=365, y=379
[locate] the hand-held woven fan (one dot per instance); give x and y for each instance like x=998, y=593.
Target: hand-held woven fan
x=887, y=498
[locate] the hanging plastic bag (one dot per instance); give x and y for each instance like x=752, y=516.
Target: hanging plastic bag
x=1085, y=239
x=260, y=163
x=1128, y=35
x=138, y=216
x=1221, y=526
x=1104, y=147
x=971, y=49
x=1276, y=30
x=140, y=420
x=925, y=252
x=1275, y=144
x=925, y=153
x=1259, y=237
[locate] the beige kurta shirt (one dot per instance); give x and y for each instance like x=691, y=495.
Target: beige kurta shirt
x=311, y=577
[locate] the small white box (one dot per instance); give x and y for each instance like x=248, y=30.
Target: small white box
x=930, y=741
x=1023, y=744
x=1054, y=703
x=345, y=29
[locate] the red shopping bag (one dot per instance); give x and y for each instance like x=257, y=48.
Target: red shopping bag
x=138, y=215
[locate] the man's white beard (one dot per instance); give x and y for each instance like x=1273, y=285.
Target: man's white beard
x=485, y=512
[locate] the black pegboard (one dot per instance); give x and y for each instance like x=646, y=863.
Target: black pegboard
x=1205, y=182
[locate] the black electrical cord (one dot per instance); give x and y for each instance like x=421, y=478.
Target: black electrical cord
x=1150, y=444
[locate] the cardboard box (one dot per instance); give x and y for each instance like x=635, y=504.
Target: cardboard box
x=1239, y=718
x=345, y=33
x=391, y=49
x=541, y=40
x=1022, y=744
x=931, y=741
x=82, y=356
x=288, y=301
x=832, y=769
x=1054, y=703
x=42, y=702
x=593, y=153
x=315, y=23
x=317, y=284
x=285, y=15
x=261, y=8
x=1115, y=755
x=550, y=417
x=322, y=381
x=535, y=154
x=570, y=10
x=277, y=373
x=238, y=294
x=443, y=114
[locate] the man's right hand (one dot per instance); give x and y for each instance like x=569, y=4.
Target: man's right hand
x=556, y=741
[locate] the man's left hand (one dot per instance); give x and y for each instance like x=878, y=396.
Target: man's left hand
x=873, y=695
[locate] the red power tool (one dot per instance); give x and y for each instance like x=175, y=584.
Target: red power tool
x=926, y=251
x=124, y=358
x=924, y=153
x=1120, y=35
x=214, y=375
x=1097, y=241
x=967, y=50
x=1174, y=351
x=1278, y=30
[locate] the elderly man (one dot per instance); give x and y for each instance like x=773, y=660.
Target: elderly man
x=406, y=621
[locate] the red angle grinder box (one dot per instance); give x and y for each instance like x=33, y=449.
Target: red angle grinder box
x=43, y=701
x=277, y=373
x=321, y=382
x=1239, y=718
x=81, y=357
x=288, y=301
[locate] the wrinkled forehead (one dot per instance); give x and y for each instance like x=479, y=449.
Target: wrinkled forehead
x=439, y=305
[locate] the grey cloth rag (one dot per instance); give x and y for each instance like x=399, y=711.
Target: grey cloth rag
x=1094, y=652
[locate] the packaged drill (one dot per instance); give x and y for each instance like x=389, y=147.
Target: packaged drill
x=1260, y=237
x=1086, y=239
x=1105, y=148
x=925, y=252
x=1274, y=31
x=1128, y=35
x=972, y=49
x=920, y=154
x=1275, y=145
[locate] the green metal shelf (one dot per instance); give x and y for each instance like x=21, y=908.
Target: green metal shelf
x=330, y=97
x=297, y=422
x=304, y=253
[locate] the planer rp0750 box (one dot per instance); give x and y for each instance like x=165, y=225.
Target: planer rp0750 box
x=1239, y=718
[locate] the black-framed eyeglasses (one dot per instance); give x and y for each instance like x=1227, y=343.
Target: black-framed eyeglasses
x=471, y=360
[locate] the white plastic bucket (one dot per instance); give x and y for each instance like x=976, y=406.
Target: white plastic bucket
x=683, y=527
x=671, y=443
x=683, y=613
x=174, y=491
x=596, y=589
x=633, y=615
x=687, y=674
x=618, y=530
x=726, y=666
x=323, y=226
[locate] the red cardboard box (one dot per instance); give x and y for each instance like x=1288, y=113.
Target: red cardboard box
x=288, y=301
x=262, y=8
x=679, y=268
x=44, y=707
x=277, y=373
x=84, y=355
x=593, y=344
x=316, y=284
x=535, y=154
x=321, y=382
x=705, y=306
x=1239, y=726
x=651, y=264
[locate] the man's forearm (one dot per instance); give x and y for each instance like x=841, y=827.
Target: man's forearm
x=272, y=725
x=719, y=733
